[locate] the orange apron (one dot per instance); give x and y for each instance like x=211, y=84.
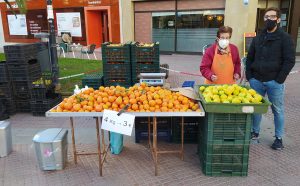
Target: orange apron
x=223, y=68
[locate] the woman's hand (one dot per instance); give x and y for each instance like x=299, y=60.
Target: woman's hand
x=236, y=76
x=213, y=78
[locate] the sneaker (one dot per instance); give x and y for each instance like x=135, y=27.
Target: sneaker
x=277, y=145
x=254, y=136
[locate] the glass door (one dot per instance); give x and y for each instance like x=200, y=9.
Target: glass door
x=196, y=29
x=163, y=30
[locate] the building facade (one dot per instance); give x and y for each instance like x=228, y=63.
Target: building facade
x=187, y=25
x=87, y=21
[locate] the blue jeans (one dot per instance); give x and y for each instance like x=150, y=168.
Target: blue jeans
x=275, y=92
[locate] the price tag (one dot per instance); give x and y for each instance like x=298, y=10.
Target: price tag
x=50, y=12
x=247, y=109
x=122, y=124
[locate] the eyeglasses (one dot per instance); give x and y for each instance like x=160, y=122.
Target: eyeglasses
x=272, y=17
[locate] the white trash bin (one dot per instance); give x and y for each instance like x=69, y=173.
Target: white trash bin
x=5, y=138
x=51, y=147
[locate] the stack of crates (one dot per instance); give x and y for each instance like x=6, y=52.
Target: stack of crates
x=191, y=130
x=223, y=146
x=43, y=96
x=163, y=128
x=144, y=59
x=6, y=95
x=92, y=80
x=116, y=64
x=23, y=69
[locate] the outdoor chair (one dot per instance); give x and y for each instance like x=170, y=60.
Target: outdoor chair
x=62, y=49
x=90, y=49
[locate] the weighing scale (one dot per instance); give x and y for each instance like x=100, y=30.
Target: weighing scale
x=153, y=79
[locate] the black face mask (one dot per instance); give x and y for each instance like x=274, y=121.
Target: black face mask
x=270, y=24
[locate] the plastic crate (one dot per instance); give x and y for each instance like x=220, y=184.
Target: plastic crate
x=143, y=68
x=23, y=105
x=3, y=72
x=20, y=53
x=21, y=89
x=224, y=169
x=144, y=55
x=9, y=104
x=191, y=130
x=41, y=91
x=25, y=72
x=5, y=89
x=161, y=135
x=231, y=107
x=125, y=82
x=117, y=71
x=92, y=80
x=225, y=127
x=39, y=107
x=188, y=84
x=115, y=54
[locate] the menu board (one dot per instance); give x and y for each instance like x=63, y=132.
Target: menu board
x=69, y=22
x=248, y=37
x=17, y=25
x=36, y=22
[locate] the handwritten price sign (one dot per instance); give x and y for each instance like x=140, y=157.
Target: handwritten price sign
x=122, y=124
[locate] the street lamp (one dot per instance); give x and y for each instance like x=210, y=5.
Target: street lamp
x=246, y=2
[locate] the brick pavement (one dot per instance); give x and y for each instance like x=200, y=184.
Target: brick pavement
x=134, y=165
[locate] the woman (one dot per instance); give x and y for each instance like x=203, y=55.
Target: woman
x=221, y=63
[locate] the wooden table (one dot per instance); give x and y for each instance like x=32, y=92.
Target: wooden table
x=153, y=144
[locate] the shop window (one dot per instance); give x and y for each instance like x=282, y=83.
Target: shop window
x=298, y=39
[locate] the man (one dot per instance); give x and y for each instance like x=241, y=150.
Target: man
x=270, y=59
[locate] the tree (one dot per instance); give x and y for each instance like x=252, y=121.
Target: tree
x=21, y=5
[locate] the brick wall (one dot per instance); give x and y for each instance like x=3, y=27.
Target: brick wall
x=143, y=27
x=154, y=6
x=200, y=4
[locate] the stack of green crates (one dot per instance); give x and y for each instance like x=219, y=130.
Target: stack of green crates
x=144, y=59
x=92, y=80
x=223, y=146
x=116, y=64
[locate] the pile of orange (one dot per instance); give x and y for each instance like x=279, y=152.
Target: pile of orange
x=140, y=98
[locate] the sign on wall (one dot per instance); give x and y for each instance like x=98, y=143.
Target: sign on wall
x=248, y=37
x=17, y=26
x=69, y=22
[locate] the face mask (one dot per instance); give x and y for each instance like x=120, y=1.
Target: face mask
x=270, y=24
x=223, y=43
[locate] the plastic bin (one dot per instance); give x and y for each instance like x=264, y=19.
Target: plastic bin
x=51, y=147
x=116, y=143
x=188, y=84
x=5, y=138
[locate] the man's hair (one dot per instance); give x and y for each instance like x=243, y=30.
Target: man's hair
x=278, y=12
x=224, y=29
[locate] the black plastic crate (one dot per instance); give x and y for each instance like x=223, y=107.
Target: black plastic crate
x=115, y=54
x=161, y=135
x=191, y=130
x=145, y=54
x=21, y=89
x=9, y=104
x=3, y=72
x=20, y=52
x=23, y=105
x=41, y=91
x=6, y=89
x=25, y=72
x=143, y=68
x=39, y=107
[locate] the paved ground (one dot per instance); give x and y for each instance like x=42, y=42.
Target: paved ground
x=134, y=165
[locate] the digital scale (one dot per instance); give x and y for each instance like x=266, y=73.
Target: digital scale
x=153, y=79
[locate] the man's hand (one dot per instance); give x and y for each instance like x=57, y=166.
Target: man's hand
x=236, y=76
x=213, y=78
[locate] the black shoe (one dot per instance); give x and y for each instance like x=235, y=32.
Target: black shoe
x=254, y=136
x=277, y=145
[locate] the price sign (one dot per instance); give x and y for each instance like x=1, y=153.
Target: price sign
x=247, y=109
x=122, y=124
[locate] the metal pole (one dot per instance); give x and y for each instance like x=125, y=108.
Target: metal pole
x=52, y=43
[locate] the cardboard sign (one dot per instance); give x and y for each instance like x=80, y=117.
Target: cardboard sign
x=122, y=124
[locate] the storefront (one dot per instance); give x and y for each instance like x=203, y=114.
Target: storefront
x=90, y=21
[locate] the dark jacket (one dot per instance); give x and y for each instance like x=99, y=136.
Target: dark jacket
x=207, y=60
x=270, y=57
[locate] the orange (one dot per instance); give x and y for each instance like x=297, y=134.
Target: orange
x=152, y=103
x=134, y=107
x=77, y=107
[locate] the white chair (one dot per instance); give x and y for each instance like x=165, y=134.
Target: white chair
x=90, y=49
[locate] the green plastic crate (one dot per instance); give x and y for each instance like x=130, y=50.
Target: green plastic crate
x=115, y=54
x=117, y=71
x=143, y=68
x=233, y=108
x=141, y=54
x=117, y=82
x=225, y=158
x=224, y=169
x=92, y=80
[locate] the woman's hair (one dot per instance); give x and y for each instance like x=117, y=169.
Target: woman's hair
x=224, y=29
